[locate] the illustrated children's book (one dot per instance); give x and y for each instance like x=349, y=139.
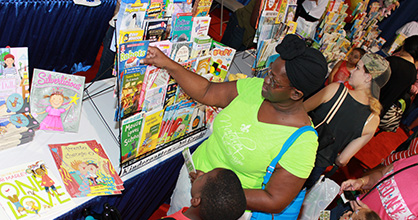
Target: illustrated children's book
x=200, y=26
x=14, y=80
x=181, y=51
x=201, y=46
x=85, y=169
x=150, y=131
x=180, y=120
x=132, y=90
x=202, y=65
x=181, y=27
x=131, y=14
x=154, y=98
x=155, y=29
x=131, y=134
x=56, y=100
x=155, y=9
x=30, y=191
x=201, y=8
x=130, y=36
x=222, y=57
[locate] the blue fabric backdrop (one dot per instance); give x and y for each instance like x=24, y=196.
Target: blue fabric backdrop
x=58, y=33
x=406, y=12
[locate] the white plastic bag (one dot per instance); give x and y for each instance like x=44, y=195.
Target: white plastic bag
x=318, y=198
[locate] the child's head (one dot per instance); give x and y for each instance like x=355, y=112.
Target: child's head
x=361, y=214
x=56, y=98
x=9, y=60
x=355, y=55
x=219, y=195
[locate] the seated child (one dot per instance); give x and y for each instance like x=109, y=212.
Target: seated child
x=217, y=194
x=342, y=70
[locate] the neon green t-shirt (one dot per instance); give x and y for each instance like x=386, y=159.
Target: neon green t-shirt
x=243, y=144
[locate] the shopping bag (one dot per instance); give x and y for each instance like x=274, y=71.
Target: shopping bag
x=318, y=198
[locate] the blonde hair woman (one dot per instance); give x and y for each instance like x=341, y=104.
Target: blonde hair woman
x=356, y=120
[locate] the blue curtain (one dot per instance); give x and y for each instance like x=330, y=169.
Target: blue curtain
x=58, y=33
x=406, y=12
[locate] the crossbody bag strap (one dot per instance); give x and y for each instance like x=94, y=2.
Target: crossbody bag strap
x=389, y=176
x=334, y=107
x=285, y=147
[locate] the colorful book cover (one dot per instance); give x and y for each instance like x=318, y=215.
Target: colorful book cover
x=131, y=15
x=170, y=95
x=291, y=12
x=198, y=118
x=271, y=5
x=155, y=29
x=130, y=137
x=20, y=123
x=222, y=58
x=282, y=12
x=132, y=90
x=201, y=8
x=181, y=51
x=182, y=7
x=202, y=65
x=166, y=122
x=14, y=80
x=30, y=191
x=180, y=121
x=85, y=169
x=154, y=98
x=155, y=9
x=56, y=100
x=150, y=131
x=164, y=46
x=130, y=36
x=201, y=46
x=130, y=54
x=200, y=26
x=182, y=27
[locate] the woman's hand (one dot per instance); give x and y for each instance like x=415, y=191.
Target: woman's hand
x=157, y=58
x=351, y=185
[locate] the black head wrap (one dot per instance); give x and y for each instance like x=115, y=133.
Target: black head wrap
x=306, y=67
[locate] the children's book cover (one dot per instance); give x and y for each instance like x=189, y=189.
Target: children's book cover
x=154, y=98
x=131, y=15
x=130, y=54
x=56, y=100
x=17, y=124
x=14, y=80
x=170, y=95
x=155, y=29
x=182, y=27
x=85, y=169
x=30, y=191
x=182, y=7
x=271, y=5
x=282, y=11
x=202, y=65
x=180, y=120
x=222, y=58
x=181, y=51
x=155, y=9
x=200, y=26
x=131, y=134
x=132, y=92
x=150, y=131
x=164, y=46
x=201, y=46
x=166, y=122
x=198, y=118
x=201, y=8
x=131, y=36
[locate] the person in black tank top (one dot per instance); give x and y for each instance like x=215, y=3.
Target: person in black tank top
x=356, y=120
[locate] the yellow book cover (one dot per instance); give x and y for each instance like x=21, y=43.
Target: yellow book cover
x=150, y=131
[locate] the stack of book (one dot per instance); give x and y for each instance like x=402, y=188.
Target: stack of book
x=85, y=169
x=17, y=126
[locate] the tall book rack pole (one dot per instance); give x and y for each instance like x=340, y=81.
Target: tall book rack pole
x=90, y=97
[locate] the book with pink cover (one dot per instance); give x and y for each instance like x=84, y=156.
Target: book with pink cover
x=85, y=169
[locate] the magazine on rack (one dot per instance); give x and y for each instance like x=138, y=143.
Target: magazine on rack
x=56, y=100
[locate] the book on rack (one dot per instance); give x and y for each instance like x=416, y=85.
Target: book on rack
x=150, y=131
x=266, y=26
x=182, y=6
x=131, y=15
x=197, y=119
x=282, y=11
x=155, y=29
x=201, y=46
x=30, y=191
x=155, y=9
x=180, y=120
x=164, y=46
x=180, y=51
x=131, y=129
x=132, y=90
x=222, y=57
x=131, y=36
x=200, y=26
x=154, y=98
x=170, y=94
x=56, y=100
x=85, y=169
x=181, y=27
x=202, y=65
x=271, y=5
x=201, y=8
